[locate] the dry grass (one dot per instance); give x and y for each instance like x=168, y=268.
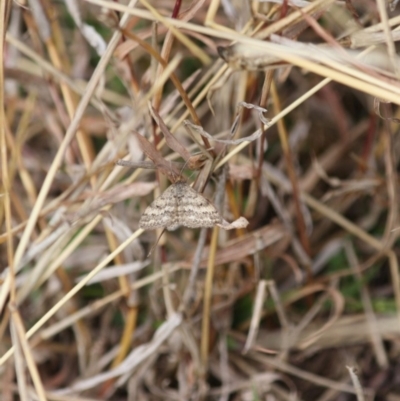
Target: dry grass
x=285, y=308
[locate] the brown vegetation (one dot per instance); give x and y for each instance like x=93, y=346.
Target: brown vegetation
x=283, y=114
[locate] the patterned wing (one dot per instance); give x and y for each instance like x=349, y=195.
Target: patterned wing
x=161, y=212
x=196, y=211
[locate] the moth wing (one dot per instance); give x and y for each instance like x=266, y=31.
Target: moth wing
x=160, y=213
x=194, y=210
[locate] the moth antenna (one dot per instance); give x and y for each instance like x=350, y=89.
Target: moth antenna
x=183, y=167
x=173, y=180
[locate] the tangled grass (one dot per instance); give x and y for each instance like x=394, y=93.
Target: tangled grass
x=283, y=113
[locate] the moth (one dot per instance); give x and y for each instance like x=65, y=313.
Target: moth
x=180, y=205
